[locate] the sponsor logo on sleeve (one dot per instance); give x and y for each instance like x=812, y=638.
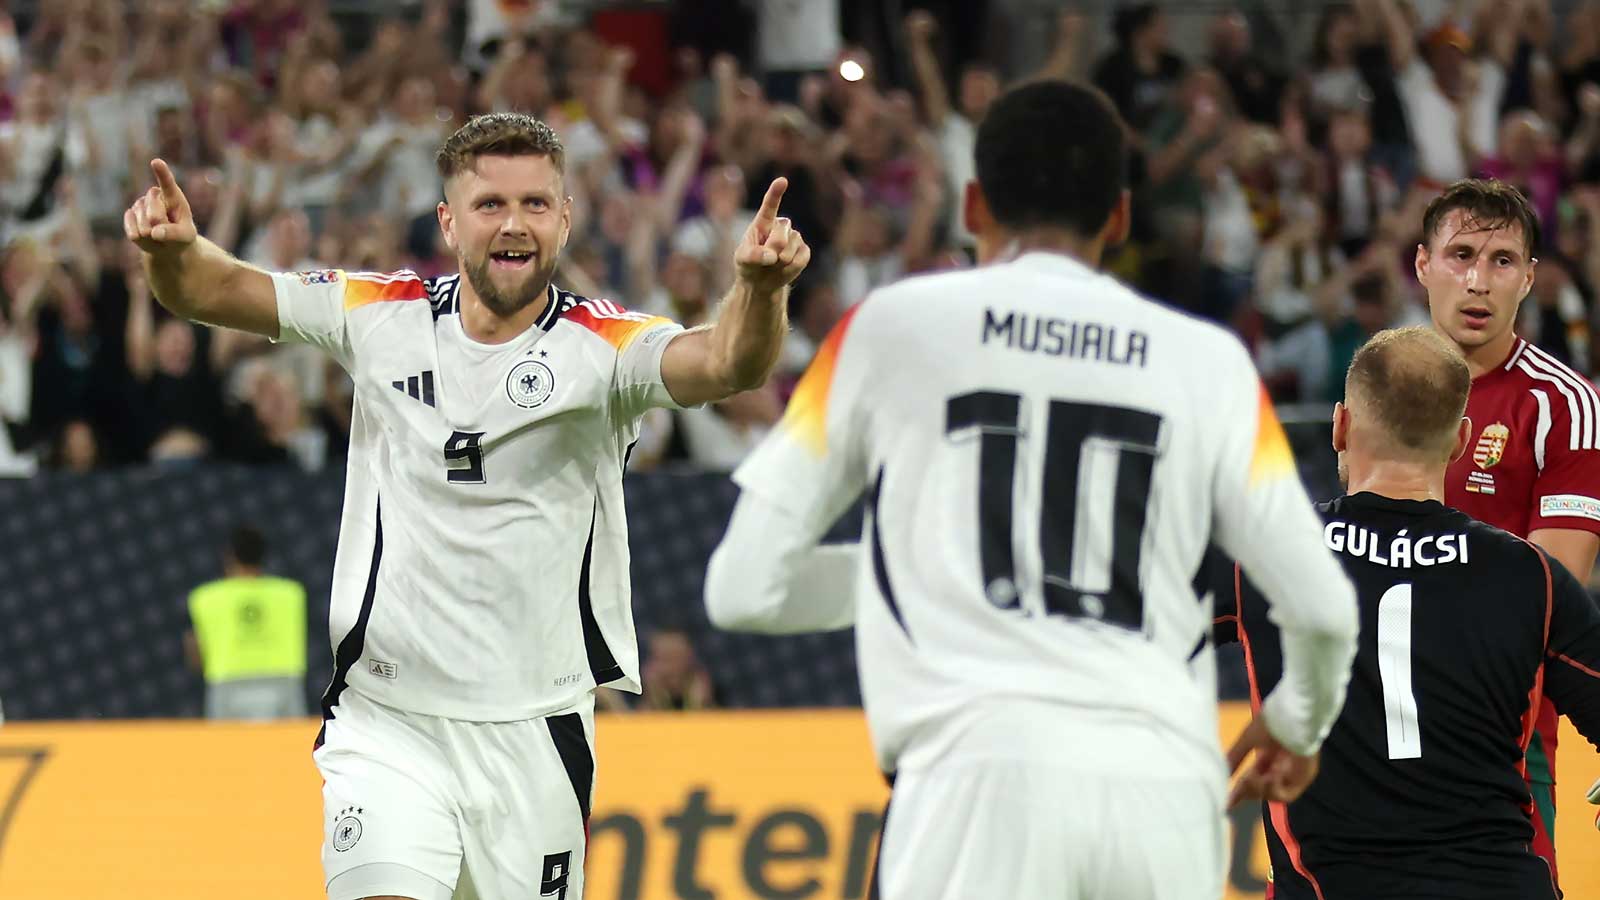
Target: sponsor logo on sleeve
x=320, y=276
x=1555, y=505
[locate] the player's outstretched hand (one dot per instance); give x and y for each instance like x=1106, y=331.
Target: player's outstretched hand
x=771, y=254
x=160, y=221
x=1276, y=774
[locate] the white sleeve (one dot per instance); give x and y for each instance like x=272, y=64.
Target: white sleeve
x=1265, y=521
x=638, y=385
x=768, y=574
x=312, y=310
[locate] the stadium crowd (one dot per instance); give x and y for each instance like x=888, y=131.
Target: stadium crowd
x=1278, y=191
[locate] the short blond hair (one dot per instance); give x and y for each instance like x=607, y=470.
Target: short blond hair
x=1415, y=384
x=498, y=134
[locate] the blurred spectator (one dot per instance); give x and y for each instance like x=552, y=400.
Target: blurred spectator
x=1451, y=98
x=249, y=636
x=1357, y=189
x=178, y=395
x=42, y=145
x=1256, y=85
x=1142, y=71
x=796, y=38
x=77, y=449
x=276, y=427
x=1336, y=81
x=674, y=678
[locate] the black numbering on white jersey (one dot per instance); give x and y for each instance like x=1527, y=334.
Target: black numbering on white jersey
x=1081, y=580
x=557, y=868
x=463, y=457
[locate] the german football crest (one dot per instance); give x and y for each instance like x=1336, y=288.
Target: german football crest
x=347, y=829
x=1491, y=446
x=530, y=384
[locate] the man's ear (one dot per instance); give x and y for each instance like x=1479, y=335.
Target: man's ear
x=1527, y=281
x=975, y=213
x=1463, y=438
x=1341, y=427
x=447, y=224
x=1119, y=224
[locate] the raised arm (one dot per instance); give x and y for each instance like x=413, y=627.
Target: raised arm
x=1264, y=519
x=680, y=172
x=1385, y=16
x=1063, y=58
x=920, y=26
x=738, y=352
x=1587, y=135
x=189, y=275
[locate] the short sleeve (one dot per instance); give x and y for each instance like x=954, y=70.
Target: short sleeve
x=311, y=310
x=639, y=341
x=814, y=462
x=639, y=386
x=1567, y=492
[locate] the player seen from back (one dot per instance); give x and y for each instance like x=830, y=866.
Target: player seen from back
x=1045, y=455
x=1463, y=628
x=480, y=591
x=1533, y=464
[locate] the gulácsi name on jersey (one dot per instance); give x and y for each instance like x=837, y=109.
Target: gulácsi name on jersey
x=1399, y=552
x=1063, y=337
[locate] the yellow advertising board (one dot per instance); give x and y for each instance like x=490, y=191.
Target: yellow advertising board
x=702, y=805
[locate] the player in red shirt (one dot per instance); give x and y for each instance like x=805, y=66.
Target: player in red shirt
x=1533, y=467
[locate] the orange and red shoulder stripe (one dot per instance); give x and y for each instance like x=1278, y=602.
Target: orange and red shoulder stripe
x=618, y=326
x=1271, y=458
x=362, y=288
x=807, y=415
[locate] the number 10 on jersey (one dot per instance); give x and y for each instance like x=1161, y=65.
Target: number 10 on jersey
x=1092, y=504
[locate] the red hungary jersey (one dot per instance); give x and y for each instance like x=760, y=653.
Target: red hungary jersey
x=1534, y=462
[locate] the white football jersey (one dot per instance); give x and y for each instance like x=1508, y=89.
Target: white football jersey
x=1045, y=456
x=482, y=569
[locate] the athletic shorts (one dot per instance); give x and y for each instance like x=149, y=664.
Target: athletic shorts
x=432, y=809
x=988, y=829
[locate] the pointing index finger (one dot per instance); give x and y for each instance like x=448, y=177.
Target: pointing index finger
x=170, y=192
x=769, y=204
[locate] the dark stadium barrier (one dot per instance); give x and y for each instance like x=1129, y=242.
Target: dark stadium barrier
x=95, y=571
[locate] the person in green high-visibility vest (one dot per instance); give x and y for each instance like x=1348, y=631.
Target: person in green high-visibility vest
x=249, y=636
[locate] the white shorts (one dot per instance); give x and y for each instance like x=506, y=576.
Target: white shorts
x=429, y=808
x=1023, y=799
x=1028, y=830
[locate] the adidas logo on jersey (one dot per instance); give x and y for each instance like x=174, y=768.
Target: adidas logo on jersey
x=417, y=387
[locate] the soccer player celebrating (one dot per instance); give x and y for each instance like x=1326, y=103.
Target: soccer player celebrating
x=1464, y=628
x=480, y=592
x=1043, y=469
x=1533, y=464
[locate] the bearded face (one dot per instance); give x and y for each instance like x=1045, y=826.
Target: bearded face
x=507, y=219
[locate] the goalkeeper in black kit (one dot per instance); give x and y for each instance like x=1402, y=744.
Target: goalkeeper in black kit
x=1463, y=629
